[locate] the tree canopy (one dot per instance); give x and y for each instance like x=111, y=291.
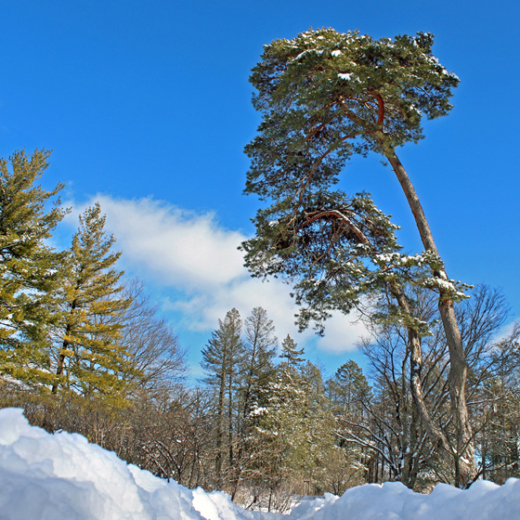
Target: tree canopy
x=324, y=96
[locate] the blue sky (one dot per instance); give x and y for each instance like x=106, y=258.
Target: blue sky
x=146, y=106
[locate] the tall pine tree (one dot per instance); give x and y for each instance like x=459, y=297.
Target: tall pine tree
x=256, y=371
x=90, y=358
x=294, y=427
x=29, y=271
x=258, y=360
x=325, y=96
x=220, y=360
x=349, y=391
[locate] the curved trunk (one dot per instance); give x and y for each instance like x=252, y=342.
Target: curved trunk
x=464, y=452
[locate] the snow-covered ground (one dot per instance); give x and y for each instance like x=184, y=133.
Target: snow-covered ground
x=63, y=477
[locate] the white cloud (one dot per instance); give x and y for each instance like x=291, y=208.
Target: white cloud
x=194, y=255
x=342, y=333
x=176, y=246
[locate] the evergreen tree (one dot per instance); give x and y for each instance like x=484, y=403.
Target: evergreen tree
x=220, y=360
x=350, y=396
x=325, y=96
x=276, y=430
x=348, y=390
x=259, y=352
x=290, y=355
x=29, y=272
x=294, y=428
x=90, y=356
x=318, y=423
x=256, y=372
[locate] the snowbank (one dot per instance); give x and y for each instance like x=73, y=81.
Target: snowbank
x=63, y=477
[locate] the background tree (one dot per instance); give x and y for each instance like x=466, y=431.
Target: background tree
x=171, y=435
x=293, y=429
x=496, y=403
x=290, y=356
x=350, y=397
x=349, y=391
x=325, y=96
x=220, y=360
x=256, y=372
x=29, y=268
x=393, y=427
x=151, y=342
x=259, y=352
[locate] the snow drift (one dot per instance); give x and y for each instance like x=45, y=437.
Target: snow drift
x=63, y=477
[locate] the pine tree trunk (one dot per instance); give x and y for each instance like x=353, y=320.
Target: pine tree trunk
x=220, y=427
x=61, y=360
x=59, y=371
x=241, y=431
x=465, y=467
x=230, y=421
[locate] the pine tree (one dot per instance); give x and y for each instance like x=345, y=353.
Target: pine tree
x=276, y=430
x=294, y=427
x=258, y=359
x=90, y=358
x=325, y=96
x=350, y=395
x=319, y=425
x=256, y=371
x=290, y=355
x=348, y=390
x=29, y=273
x=220, y=360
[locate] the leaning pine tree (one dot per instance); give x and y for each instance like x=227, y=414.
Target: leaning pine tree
x=325, y=96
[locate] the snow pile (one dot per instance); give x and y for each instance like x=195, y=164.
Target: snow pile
x=63, y=477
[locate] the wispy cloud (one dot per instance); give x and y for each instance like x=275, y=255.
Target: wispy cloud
x=182, y=249
x=195, y=256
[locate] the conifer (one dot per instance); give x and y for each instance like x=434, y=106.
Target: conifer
x=256, y=372
x=91, y=358
x=325, y=96
x=258, y=360
x=348, y=390
x=290, y=354
x=295, y=427
x=221, y=359
x=29, y=271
